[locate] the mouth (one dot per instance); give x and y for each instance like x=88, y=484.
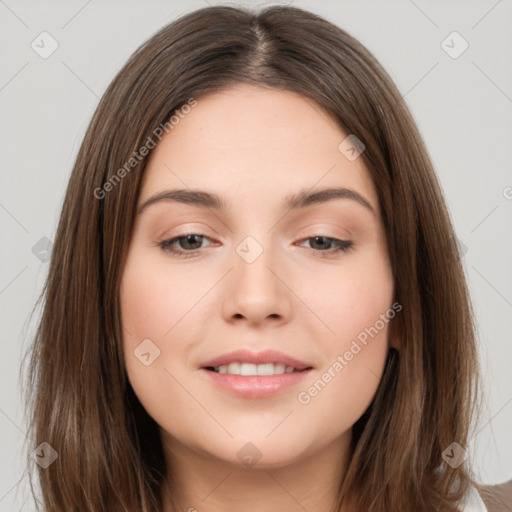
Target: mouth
x=251, y=369
x=248, y=363
x=255, y=375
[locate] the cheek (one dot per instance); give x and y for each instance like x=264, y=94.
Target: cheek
x=152, y=299
x=350, y=299
x=150, y=307
x=154, y=306
x=358, y=314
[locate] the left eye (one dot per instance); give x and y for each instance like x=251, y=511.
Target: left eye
x=334, y=245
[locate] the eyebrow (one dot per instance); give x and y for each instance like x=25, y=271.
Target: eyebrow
x=301, y=199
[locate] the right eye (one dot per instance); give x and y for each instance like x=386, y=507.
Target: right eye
x=188, y=242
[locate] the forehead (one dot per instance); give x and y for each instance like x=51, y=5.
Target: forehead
x=248, y=142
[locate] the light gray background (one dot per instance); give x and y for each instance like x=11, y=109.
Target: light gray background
x=463, y=108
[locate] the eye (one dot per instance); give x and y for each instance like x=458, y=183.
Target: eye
x=191, y=244
x=327, y=246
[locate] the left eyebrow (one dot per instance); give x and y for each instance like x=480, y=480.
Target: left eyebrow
x=301, y=199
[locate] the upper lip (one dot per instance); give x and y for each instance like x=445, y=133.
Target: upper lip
x=263, y=357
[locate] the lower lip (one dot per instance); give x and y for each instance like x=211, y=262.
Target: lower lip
x=254, y=386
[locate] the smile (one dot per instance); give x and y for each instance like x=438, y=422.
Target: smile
x=250, y=369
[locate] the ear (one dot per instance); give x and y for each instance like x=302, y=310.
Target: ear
x=395, y=337
x=394, y=342
x=395, y=327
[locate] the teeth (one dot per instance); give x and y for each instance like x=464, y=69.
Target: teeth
x=270, y=369
x=249, y=369
x=233, y=368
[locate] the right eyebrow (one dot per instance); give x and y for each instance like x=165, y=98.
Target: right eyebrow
x=193, y=197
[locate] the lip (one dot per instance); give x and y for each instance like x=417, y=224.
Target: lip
x=263, y=357
x=255, y=386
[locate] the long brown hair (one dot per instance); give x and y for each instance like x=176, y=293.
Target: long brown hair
x=109, y=450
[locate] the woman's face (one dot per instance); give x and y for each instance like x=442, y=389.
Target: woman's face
x=302, y=283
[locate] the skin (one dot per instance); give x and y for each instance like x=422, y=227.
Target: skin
x=254, y=146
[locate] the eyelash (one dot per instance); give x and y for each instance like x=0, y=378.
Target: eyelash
x=341, y=246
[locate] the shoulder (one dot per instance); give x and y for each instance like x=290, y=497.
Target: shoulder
x=497, y=498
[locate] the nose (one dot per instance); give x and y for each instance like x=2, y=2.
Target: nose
x=257, y=292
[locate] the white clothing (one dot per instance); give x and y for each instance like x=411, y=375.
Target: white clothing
x=474, y=502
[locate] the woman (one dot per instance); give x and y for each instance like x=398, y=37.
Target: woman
x=318, y=353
